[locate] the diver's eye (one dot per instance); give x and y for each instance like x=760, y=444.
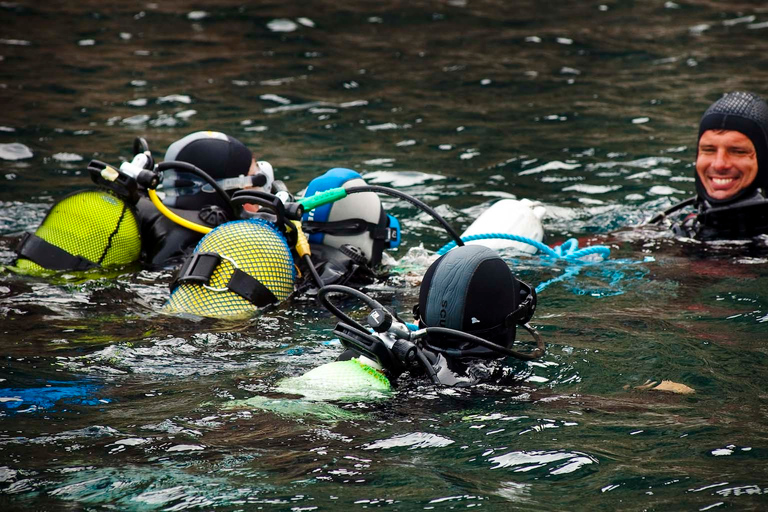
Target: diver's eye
x=740, y=151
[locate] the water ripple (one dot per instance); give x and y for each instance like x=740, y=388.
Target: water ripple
x=523, y=461
x=413, y=441
x=15, y=151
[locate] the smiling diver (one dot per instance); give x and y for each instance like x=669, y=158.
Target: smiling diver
x=731, y=172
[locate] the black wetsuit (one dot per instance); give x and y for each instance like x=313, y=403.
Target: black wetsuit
x=743, y=219
x=165, y=243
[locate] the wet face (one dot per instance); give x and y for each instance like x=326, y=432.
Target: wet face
x=253, y=208
x=727, y=163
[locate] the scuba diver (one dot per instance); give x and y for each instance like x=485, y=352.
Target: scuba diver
x=731, y=172
x=117, y=224
x=227, y=161
x=470, y=304
x=347, y=237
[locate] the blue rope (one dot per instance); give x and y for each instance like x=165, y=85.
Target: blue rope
x=568, y=250
x=569, y=272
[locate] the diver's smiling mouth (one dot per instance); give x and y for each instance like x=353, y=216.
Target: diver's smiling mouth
x=723, y=182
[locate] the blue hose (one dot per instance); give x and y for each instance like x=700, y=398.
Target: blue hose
x=568, y=250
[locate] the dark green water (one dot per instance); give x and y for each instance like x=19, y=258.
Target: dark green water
x=590, y=108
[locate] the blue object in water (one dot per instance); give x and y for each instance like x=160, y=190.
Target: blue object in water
x=46, y=397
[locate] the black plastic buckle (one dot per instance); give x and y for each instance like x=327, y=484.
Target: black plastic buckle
x=387, y=234
x=198, y=268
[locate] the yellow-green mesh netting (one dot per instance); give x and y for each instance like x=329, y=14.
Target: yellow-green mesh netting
x=94, y=224
x=258, y=249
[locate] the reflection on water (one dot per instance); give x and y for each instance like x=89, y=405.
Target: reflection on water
x=590, y=108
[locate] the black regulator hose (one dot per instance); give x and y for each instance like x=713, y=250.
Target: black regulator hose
x=187, y=167
x=312, y=270
x=672, y=209
x=427, y=366
x=535, y=354
x=322, y=296
x=424, y=207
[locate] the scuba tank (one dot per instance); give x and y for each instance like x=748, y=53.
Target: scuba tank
x=84, y=230
x=235, y=270
x=347, y=236
x=91, y=228
x=357, y=220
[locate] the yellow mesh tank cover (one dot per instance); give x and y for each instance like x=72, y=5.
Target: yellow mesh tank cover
x=94, y=224
x=258, y=249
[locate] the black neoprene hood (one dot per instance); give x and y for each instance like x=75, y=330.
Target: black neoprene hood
x=219, y=155
x=747, y=113
x=469, y=289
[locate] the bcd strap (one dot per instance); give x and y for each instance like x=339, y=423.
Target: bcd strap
x=199, y=268
x=250, y=289
x=47, y=255
x=350, y=227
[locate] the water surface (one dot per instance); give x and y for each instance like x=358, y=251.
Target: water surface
x=590, y=108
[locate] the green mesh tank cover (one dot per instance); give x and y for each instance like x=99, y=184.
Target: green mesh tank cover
x=94, y=224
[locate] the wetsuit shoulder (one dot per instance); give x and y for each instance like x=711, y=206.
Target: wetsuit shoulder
x=164, y=243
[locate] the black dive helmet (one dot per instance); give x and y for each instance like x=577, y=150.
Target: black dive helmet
x=472, y=290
